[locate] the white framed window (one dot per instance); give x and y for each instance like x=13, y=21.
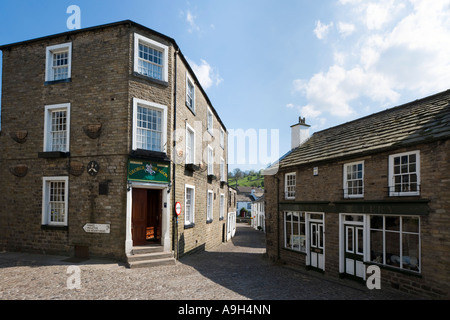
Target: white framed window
x=289, y=185
x=57, y=127
x=404, y=174
x=190, y=144
x=150, y=58
x=222, y=206
x=55, y=193
x=58, y=62
x=222, y=138
x=149, y=126
x=354, y=180
x=209, y=121
x=395, y=241
x=295, y=231
x=222, y=170
x=210, y=160
x=189, y=204
x=190, y=93
x=209, y=206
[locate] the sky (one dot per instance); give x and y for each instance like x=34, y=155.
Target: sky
x=265, y=63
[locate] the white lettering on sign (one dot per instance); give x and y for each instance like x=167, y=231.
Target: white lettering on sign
x=97, y=228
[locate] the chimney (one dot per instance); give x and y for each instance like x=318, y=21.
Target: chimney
x=299, y=133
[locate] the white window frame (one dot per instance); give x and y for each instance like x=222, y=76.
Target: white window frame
x=209, y=205
x=190, y=154
x=49, y=109
x=345, y=180
x=222, y=138
x=150, y=105
x=155, y=45
x=50, y=50
x=190, y=221
x=222, y=169
x=287, y=192
x=391, y=175
x=46, y=201
x=299, y=243
x=210, y=121
x=222, y=206
x=190, y=81
x=210, y=160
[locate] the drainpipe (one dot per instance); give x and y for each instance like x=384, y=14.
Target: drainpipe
x=174, y=215
x=278, y=218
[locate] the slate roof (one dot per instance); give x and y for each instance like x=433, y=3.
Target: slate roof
x=419, y=121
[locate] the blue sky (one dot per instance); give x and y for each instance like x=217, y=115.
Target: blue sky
x=264, y=63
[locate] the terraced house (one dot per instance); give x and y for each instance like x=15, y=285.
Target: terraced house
x=109, y=144
x=374, y=191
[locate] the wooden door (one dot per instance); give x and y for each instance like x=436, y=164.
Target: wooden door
x=354, y=251
x=153, y=231
x=316, y=245
x=139, y=216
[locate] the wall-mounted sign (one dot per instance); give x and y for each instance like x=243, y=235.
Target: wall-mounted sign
x=97, y=228
x=146, y=171
x=178, y=208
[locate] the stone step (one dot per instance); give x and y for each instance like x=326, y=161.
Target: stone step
x=152, y=263
x=149, y=256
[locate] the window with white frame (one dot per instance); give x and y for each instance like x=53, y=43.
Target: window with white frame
x=294, y=231
x=210, y=161
x=289, y=185
x=150, y=58
x=57, y=128
x=354, y=180
x=189, y=205
x=222, y=206
x=222, y=138
x=404, y=174
x=190, y=93
x=209, y=120
x=209, y=206
x=149, y=125
x=395, y=241
x=222, y=170
x=55, y=201
x=190, y=144
x=58, y=63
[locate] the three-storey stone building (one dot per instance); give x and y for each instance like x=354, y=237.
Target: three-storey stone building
x=105, y=131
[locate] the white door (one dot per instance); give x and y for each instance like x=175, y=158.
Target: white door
x=354, y=251
x=316, y=244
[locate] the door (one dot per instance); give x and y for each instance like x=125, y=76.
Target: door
x=146, y=216
x=316, y=245
x=354, y=251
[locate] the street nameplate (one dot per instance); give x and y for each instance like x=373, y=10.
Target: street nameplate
x=97, y=228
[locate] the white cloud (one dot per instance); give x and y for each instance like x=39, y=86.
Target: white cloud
x=397, y=47
x=206, y=74
x=346, y=29
x=322, y=30
x=190, y=19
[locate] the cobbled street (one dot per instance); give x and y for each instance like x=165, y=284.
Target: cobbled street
x=236, y=270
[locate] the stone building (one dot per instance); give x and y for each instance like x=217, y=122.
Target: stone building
x=105, y=131
x=374, y=191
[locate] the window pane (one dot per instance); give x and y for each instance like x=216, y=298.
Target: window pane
x=410, y=254
x=410, y=224
x=376, y=246
x=393, y=248
x=393, y=223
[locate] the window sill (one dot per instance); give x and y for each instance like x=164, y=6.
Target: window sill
x=395, y=269
x=209, y=221
x=53, y=154
x=48, y=83
x=150, y=79
x=51, y=227
x=191, y=167
x=189, y=226
x=191, y=109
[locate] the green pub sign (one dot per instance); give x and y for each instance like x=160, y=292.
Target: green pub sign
x=145, y=171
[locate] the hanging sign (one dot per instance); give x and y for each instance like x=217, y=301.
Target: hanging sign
x=146, y=171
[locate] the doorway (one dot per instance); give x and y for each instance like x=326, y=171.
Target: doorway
x=316, y=241
x=353, y=246
x=146, y=216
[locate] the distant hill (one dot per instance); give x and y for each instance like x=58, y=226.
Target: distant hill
x=247, y=180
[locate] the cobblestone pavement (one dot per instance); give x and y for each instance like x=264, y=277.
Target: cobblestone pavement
x=236, y=270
